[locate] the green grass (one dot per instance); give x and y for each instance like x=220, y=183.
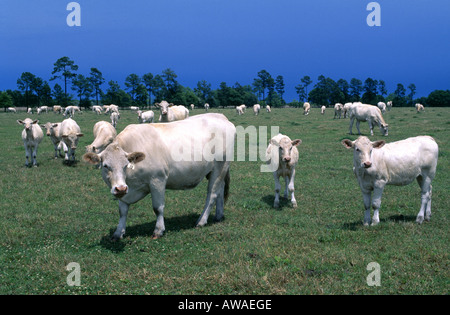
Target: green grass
x=56, y=214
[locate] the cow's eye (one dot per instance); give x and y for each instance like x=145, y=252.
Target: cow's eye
x=357, y=149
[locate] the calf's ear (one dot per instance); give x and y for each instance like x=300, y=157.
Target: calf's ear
x=20, y=122
x=296, y=142
x=135, y=157
x=80, y=134
x=378, y=144
x=92, y=158
x=347, y=143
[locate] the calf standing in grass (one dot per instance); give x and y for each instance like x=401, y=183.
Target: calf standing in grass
x=53, y=131
x=32, y=135
x=70, y=132
x=282, y=149
x=377, y=164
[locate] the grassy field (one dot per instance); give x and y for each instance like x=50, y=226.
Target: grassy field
x=56, y=214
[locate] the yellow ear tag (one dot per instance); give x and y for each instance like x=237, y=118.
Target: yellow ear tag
x=131, y=166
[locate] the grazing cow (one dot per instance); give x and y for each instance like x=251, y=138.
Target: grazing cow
x=145, y=159
x=369, y=113
x=30, y=111
x=419, y=108
x=57, y=109
x=338, y=107
x=134, y=108
x=240, y=110
x=146, y=117
x=192, y=106
x=53, y=131
x=170, y=112
x=104, y=134
x=268, y=109
x=382, y=106
x=389, y=105
x=97, y=109
x=32, y=135
x=42, y=109
x=282, y=149
x=322, y=109
x=377, y=164
x=111, y=108
x=206, y=106
x=256, y=109
x=114, y=118
x=11, y=109
x=70, y=133
x=346, y=108
x=71, y=111
x=306, y=108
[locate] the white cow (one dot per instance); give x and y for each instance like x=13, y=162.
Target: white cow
x=382, y=106
x=377, y=164
x=112, y=108
x=11, y=109
x=42, y=109
x=71, y=111
x=419, y=108
x=369, y=113
x=146, y=117
x=206, y=106
x=268, y=109
x=256, y=109
x=145, y=159
x=70, y=133
x=57, y=109
x=283, y=151
x=97, y=109
x=114, y=118
x=322, y=109
x=170, y=112
x=134, y=108
x=389, y=105
x=338, y=107
x=53, y=131
x=346, y=108
x=192, y=106
x=306, y=108
x=104, y=134
x=32, y=135
x=240, y=110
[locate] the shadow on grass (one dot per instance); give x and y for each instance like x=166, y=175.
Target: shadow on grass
x=174, y=224
x=398, y=218
x=284, y=202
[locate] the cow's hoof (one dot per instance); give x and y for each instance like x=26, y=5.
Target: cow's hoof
x=419, y=219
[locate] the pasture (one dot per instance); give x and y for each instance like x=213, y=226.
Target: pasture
x=56, y=214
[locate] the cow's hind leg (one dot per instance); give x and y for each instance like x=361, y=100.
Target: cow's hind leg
x=215, y=194
x=425, y=207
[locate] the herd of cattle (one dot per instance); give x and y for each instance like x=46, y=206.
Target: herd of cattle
x=138, y=161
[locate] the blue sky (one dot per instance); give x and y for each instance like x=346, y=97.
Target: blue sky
x=231, y=40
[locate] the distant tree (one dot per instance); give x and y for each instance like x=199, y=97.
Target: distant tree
x=412, y=91
x=439, y=98
x=64, y=69
x=370, y=91
x=132, y=83
x=266, y=81
x=171, y=84
x=83, y=89
x=5, y=100
x=257, y=87
x=112, y=93
x=96, y=79
x=326, y=92
x=38, y=86
x=149, y=83
x=223, y=94
x=356, y=88
x=141, y=96
x=25, y=84
x=382, y=88
x=344, y=87
x=279, y=86
x=58, y=94
x=399, y=99
x=306, y=80
x=191, y=97
x=203, y=92
x=159, y=88
x=302, y=95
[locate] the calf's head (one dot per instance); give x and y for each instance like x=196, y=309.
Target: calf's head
x=362, y=150
x=27, y=123
x=286, y=149
x=50, y=128
x=115, y=162
x=71, y=140
x=164, y=107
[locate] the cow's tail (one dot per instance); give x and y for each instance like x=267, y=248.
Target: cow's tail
x=226, y=190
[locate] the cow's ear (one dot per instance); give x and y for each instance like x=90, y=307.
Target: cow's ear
x=92, y=158
x=35, y=121
x=135, y=157
x=347, y=143
x=157, y=105
x=20, y=122
x=171, y=104
x=296, y=142
x=378, y=144
x=65, y=136
x=80, y=134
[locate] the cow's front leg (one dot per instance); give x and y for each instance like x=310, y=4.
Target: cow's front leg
x=276, y=203
x=357, y=126
x=376, y=203
x=291, y=189
x=158, y=200
x=123, y=211
x=351, y=124
x=27, y=155
x=367, y=197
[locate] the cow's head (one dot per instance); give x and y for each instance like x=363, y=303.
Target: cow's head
x=362, y=153
x=50, y=128
x=285, y=147
x=27, y=123
x=115, y=162
x=71, y=139
x=384, y=129
x=164, y=107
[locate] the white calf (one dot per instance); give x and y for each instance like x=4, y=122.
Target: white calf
x=306, y=108
x=32, y=135
x=146, y=117
x=338, y=107
x=322, y=109
x=283, y=150
x=256, y=109
x=377, y=164
x=114, y=118
x=419, y=108
x=53, y=131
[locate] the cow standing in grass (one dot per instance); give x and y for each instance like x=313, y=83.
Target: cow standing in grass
x=145, y=159
x=70, y=133
x=32, y=136
x=53, y=131
x=104, y=134
x=282, y=151
x=377, y=164
x=369, y=113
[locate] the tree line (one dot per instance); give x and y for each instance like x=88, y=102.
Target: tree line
x=142, y=91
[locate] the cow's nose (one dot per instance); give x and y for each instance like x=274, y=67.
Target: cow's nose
x=120, y=190
x=287, y=158
x=367, y=164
